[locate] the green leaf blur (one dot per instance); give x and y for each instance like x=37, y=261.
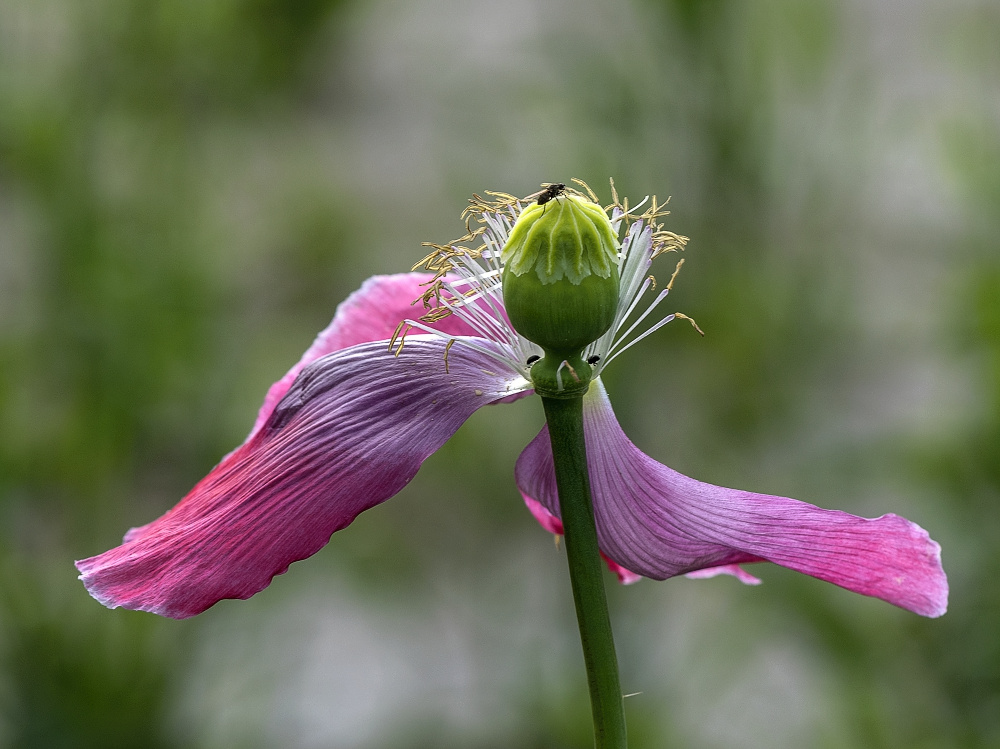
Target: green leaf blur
x=188, y=189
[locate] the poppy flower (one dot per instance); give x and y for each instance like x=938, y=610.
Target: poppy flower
x=349, y=426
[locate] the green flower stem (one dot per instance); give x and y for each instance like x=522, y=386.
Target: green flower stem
x=586, y=570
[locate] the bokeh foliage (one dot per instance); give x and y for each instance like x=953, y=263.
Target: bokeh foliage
x=188, y=189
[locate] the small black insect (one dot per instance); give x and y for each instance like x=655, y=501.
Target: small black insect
x=550, y=192
x=532, y=360
x=593, y=360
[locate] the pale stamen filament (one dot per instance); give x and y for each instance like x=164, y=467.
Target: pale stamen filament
x=621, y=318
x=659, y=298
x=649, y=331
x=572, y=372
x=503, y=358
x=475, y=315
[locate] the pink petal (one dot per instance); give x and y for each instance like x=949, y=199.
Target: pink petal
x=659, y=523
x=726, y=569
x=350, y=433
x=371, y=313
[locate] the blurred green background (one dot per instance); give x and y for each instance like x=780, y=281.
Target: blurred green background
x=188, y=189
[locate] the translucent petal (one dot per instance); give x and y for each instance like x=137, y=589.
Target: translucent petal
x=659, y=523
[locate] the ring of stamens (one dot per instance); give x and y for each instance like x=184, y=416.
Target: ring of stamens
x=467, y=272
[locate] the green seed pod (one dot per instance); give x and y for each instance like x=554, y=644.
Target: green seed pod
x=560, y=279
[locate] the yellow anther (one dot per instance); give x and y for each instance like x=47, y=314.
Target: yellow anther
x=447, y=348
x=670, y=284
x=399, y=334
x=585, y=186
x=681, y=316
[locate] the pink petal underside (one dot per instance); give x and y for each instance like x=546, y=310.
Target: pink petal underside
x=371, y=313
x=659, y=523
x=351, y=432
x=725, y=569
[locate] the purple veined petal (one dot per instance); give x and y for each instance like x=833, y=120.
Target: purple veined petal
x=369, y=314
x=350, y=433
x=660, y=523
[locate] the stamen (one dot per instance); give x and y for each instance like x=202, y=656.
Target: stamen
x=585, y=186
x=690, y=320
x=620, y=319
x=638, y=338
x=479, y=319
x=659, y=298
x=447, y=348
x=636, y=261
x=467, y=278
x=670, y=283
x=503, y=358
x=399, y=334
x=573, y=374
